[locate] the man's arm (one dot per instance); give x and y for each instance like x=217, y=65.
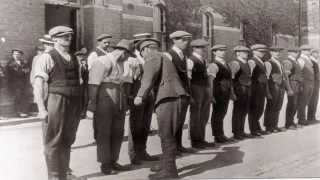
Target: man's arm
x=39, y=96
x=212, y=70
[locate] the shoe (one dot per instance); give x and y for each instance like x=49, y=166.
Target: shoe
x=238, y=137
x=207, y=144
x=264, y=132
x=292, y=127
x=107, y=170
x=147, y=157
x=279, y=129
x=256, y=134
x=185, y=150
x=71, y=177
x=303, y=123
x=222, y=139
x=118, y=167
x=298, y=126
x=245, y=135
x=314, y=121
x=136, y=161
x=198, y=145
x=163, y=175
x=156, y=168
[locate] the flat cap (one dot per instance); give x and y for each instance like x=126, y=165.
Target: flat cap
x=127, y=45
x=314, y=51
x=199, y=43
x=259, y=47
x=82, y=51
x=17, y=50
x=179, y=34
x=147, y=42
x=305, y=47
x=293, y=49
x=46, y=39
x=276, y=48
x=141, y=36
x=103, y=36
x=241, y=48
x=218, y=47
x=60, y=31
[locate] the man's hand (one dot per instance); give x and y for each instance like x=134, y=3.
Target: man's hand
x=43, y=114
x=290, y=93
x=89, y=114
x=137, y=101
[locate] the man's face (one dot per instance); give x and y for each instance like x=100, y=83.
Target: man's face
x=64, y=40
x=306, y=52
x=48, y=47
x=293, y=54
x=243, y=55
x=275, y=54
x=259, y=54
x=182, y=43
x=220, y=53
x=199, y=50
x=105, y=43
x=315, y=55
x=149, y=50
x=17, y=55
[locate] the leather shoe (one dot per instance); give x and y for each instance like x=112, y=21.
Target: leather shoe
x=245, y=135
x=147, y=157
x=198, y=145
x=118, y=167
x=107, y=170
x=185, y=150
x=163, y=175
x=156, y=168
x=209, y=144
x=238, y=137
x=222, y=139
x=256, y=134
x=136, y=161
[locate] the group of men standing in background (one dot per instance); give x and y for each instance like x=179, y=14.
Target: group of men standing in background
x=134, y=75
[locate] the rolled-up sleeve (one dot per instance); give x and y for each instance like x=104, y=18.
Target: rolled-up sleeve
x=287, y=66
x=98, y=70
x=234, y=67
x=268, y=68
x=212, y=69
x=43, y=66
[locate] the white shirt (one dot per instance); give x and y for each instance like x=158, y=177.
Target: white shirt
x=220, y=60
x=178, y=51
x=197, y=56
x=94, y=56
x=302, y=60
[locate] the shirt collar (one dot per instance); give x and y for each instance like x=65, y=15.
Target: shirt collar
x=220, y=60
x=242, y=60
x=292, y=58
x=259, y=59
x=197, y=55
x=304, y=56
x=105, y=52
x=178, y=51
x=313, y=59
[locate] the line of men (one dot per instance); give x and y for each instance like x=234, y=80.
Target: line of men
x=134, y=75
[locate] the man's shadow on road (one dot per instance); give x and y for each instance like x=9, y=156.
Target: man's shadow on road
x=229, y=156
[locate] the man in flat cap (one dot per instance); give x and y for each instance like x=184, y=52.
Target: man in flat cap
x=108, y=104
x=140, y=116
x=168, y=72
x=294, y=73
x=18, y=74
x=221, y=92
x=241, y=77
x=200, y=90
x=278, y=84
x=259, y=87
x=61, y=112
x=312, y=106
x=308, y=78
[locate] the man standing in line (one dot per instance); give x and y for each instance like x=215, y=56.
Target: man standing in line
x=278, y=83
x=259, y=88
x=241, y=75
x=169, y=73
x=307, y=84
x=200, y=90
x=293, y=72
x=61, y=115
x=313, y=104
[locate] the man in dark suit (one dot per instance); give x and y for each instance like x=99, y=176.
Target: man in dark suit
x=312, y=106
x=169, y=73
x=259, y=88
x=278, y=83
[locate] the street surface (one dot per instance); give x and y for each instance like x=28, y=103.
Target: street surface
x=294, y=153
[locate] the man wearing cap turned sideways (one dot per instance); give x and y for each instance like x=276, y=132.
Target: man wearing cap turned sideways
x=200, y=90
x=107, y=102
x=61, y=113
x=241, y=77
x=312, y=106
x=293, y=72
x=103, y=48
x=18, y=74
x=308, y=79
x=168, y=71
x=278, y=84
x=140, y=116
x=222, y=92
x=259, y=88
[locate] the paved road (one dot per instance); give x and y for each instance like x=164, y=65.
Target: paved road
x=287, y=154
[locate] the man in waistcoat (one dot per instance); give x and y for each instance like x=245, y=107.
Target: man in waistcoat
x=241, y=75
x=61, y=113
x=168, y=72
x=259, y=88
x=313, y=104
x=200, y=90
x=294, y=73
x=308, y=78
x=278, y=83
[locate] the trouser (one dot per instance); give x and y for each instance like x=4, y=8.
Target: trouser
x=312, y=106
x=169, y=114
x=256, y=107
x=219, y=110
x=20, y=97
x=291, y=109
x=110, y=118
x=182, y=116
x=199, y=112
x=273, y=107
x=140, y=120
x=304, y=99
x=240, y=109
x=85, y=99
x=59, y=132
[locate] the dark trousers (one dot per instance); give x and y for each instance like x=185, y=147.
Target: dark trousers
x=20, y=99
x=182, y=115
x=199, y=113
x=304, y=99
x=110, y=118
x=219, y=111
x=59, y=132
x=273, y=107
x=291, y=109
x=169, y=114
x=140, y=120
x=312, y=106
x=256, y=107
x=240, y=109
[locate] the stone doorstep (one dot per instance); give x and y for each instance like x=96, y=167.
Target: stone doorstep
x=18, y=121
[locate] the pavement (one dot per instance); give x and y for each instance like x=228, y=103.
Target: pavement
x=290, y=154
